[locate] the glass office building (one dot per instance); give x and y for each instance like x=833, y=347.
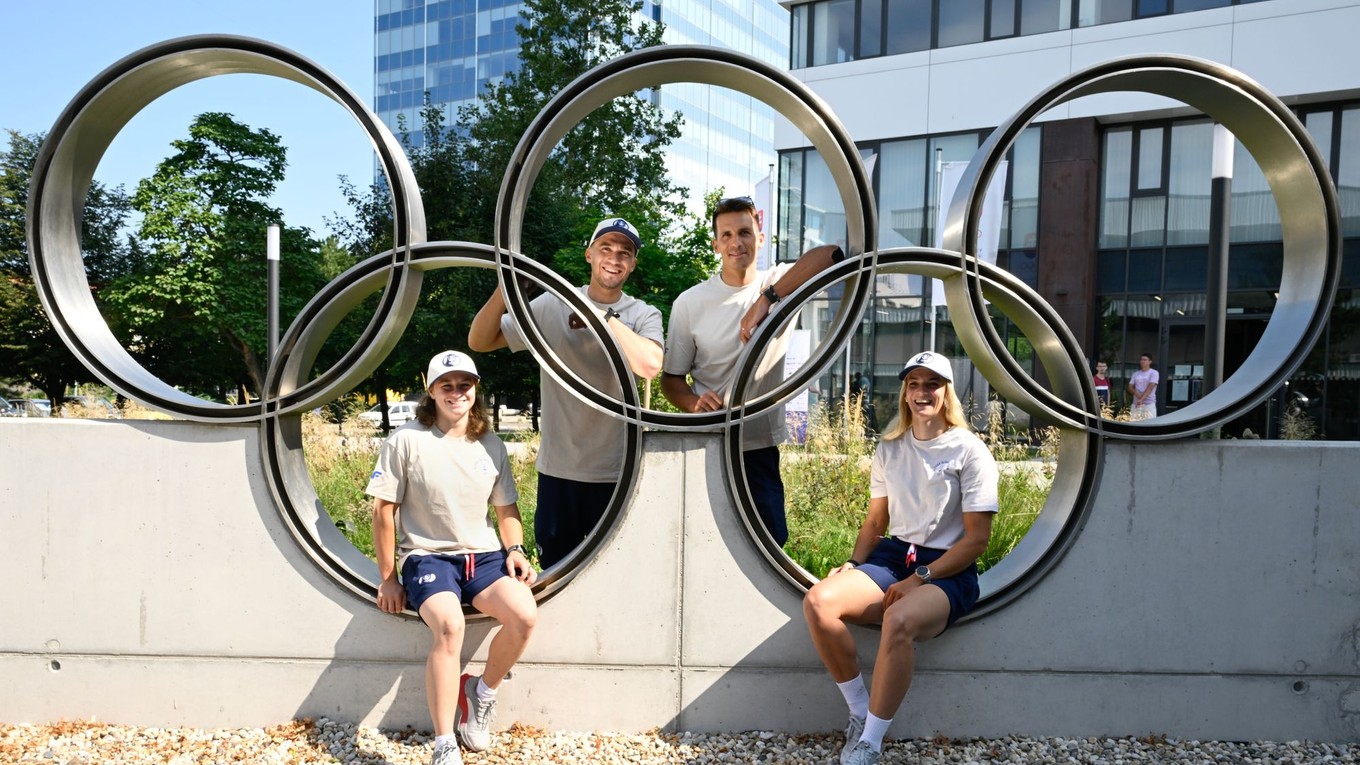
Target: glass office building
x=454, y=48
x=1106, y=208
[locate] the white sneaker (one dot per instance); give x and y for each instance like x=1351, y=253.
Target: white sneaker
x=472, y=719
x=852, y=733
x=447, y=755
x=863, y=754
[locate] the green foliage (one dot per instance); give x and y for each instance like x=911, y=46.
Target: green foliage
x=611, y=164
x=826, y=484
x=198, y=299
x=31, y=352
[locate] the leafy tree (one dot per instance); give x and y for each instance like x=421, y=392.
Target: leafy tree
x=30, y=349
x=611, y=164
x=200, y=295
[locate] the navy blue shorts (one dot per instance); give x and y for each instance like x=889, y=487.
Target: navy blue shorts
x=887, y=565
x=566, y=514
x=464, y=575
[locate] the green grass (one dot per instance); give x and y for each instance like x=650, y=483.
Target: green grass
x=826, y=483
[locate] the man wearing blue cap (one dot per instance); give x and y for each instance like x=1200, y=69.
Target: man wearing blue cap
x=582, y=450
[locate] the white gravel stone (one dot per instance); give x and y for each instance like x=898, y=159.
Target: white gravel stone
x=327, y=742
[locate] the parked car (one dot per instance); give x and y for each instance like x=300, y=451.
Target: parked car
x=7, y=409
x=32, y=407
x=96, y=406
x=399, y=413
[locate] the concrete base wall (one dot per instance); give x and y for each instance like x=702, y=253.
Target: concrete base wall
x=150, y=581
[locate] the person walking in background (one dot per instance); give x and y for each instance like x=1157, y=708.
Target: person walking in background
x=713, y=319
x=933, y=490
x=434, y=478
x=581, y=455
x=1143, y=388
x=1101, y=380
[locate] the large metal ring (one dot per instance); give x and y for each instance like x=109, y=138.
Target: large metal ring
x=1310, y=219
x=66, y=164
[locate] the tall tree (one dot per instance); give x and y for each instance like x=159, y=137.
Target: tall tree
x=613, y=163
x=31, y=352
x=200, y=296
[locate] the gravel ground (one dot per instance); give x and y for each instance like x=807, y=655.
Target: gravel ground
x=323, y=741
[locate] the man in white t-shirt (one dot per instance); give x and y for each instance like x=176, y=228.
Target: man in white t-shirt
x=582, y=451
x=1143, y=388
x=713, y=319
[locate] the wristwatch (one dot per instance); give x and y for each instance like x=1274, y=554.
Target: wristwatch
x=852, y=563
x=771, y=295
x=516, y=548
x=610, y=313
x=924, y=573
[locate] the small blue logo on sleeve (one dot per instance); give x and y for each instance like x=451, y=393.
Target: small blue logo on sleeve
x=376, y=475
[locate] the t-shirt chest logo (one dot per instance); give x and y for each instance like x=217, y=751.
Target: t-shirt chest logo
x=485, y=466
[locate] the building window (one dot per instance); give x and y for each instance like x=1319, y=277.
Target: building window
x=835, y=31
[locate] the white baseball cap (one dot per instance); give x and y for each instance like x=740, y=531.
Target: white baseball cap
x=932, y=361
x=449, y=361
x=617, y=225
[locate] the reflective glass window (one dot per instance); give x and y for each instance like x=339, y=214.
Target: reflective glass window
x=1022, y=220
x=1092, y=12
x=1110, y=270
x=1145, y=271
x=1147, y=221
x=1001, y=21
x=1024, y=265
x=1039, y=16
x=1114, y=197
x=870, y=28
x=824, y=215
x=1185, y=6
x=902, y=193
x=1319, y=126
x=833, y=31
x=908, y=26
x=956, y=148
x=1189, y=183
x=1348, y=171
x=1187, y=269
x=790, y=205
x=1150, y=159
x=1144, y=8
x=961, y=22
x=798, y=47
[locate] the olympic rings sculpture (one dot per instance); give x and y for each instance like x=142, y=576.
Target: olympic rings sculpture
x=1292, y=165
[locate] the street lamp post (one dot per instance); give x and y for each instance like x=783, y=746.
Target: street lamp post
x=272, y=255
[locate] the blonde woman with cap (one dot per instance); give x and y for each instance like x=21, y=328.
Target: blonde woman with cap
x=434, y=479
x=933, y=493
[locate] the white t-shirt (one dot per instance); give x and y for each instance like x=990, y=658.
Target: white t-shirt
x=442, y=485
x=931, y=484
x=581, y=443
x=704, y=341
x=1142, y=379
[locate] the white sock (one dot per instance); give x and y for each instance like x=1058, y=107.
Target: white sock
x=442, y=741
x=874, y=730
x=485, y=691
x=856, y=695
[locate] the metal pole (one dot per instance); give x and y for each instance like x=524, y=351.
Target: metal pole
x=1216, y=291
x=272, y=255
x=939, y=179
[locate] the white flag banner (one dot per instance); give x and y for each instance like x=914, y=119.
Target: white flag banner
x=796, y=409
x=989, y=226
x=764, y=199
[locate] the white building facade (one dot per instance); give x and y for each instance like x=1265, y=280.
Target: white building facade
x=1107, y=197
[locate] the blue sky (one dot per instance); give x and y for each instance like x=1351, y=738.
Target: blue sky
x=53, y=48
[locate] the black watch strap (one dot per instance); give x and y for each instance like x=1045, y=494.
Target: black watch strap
x=610, y=313
x=854, y=563
x=516, y=548
x=771, y=295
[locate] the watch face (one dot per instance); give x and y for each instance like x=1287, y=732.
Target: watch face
x=923, y=572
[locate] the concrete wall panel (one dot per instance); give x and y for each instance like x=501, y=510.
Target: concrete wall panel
x=1211, y=594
